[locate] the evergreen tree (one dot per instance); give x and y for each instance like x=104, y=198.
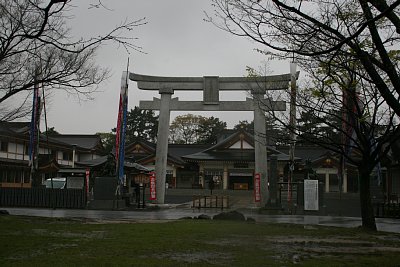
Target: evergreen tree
x=141, y=124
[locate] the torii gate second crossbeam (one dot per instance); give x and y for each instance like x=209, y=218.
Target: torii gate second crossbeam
x=210, y=85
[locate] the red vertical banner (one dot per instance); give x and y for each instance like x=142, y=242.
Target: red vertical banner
x=121, y=129
x=87, y=174
x=153, y=195
x=257, y=187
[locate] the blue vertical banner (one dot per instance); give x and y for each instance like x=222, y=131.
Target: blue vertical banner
x=34, y=128
x=121, y=129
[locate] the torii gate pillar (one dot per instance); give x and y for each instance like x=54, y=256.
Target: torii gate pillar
x=260, y=150
x=162, y=143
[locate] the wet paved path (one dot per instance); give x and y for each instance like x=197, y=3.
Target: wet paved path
x=173, y=213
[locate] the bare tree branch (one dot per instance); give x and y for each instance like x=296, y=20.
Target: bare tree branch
x=34, y=39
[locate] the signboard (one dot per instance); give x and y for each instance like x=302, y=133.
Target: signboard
x=142, y=179
x=241, y=174
x=311, y=195
x=153, y=195
x=257, y=187
x=75, y=182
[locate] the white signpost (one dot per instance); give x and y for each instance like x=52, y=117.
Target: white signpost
x=311, y=195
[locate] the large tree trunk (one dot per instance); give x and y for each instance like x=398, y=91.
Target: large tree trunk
x=367, y=210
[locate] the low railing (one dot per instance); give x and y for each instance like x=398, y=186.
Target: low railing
x=211, y=201
x=288, y=192
x=43, y=198
x=387, y=210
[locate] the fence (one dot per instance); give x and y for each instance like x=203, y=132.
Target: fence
x=387, y=210
x=288, y=193
x=43, y=198
x=213, y=201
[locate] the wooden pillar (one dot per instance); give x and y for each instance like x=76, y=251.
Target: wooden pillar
x=326, y=182
x=201, y=171
x=225, y=177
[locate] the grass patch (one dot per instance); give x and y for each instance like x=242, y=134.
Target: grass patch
x=31, y=241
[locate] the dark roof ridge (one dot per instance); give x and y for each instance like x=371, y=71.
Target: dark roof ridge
x=227, y=139
x=72, y=135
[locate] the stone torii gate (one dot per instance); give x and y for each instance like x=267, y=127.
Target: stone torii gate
x=211, y=85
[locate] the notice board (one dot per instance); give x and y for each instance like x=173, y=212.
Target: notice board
x=311, y=195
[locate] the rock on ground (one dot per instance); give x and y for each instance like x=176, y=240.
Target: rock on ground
x=231, y=215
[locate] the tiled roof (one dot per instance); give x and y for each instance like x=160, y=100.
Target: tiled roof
x=179, y=150
x=233, y=155
x=150, y=149
x=102, y=160
x=83, y=141
x=221, y=151
x=21, y=130
x=311, y=152
x=14, y=128
x=231, y=139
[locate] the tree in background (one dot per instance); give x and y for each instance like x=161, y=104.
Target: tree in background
x=37, y=48
x=310, y=126
x=50, y=131
x=184, y=129
x=344, y=113
x=108, y=141
x=245, y=125
x=195, y=129
x=275, y=135
x=350, y=50
x=209, y=130
x=365, y=32
x=141, y=124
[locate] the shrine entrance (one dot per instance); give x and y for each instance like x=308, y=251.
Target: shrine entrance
x=211, y=86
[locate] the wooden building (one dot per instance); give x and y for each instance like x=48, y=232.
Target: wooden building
x=55, y=152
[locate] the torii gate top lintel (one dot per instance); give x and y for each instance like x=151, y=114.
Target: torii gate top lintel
x=211, y=85
x=271, y=82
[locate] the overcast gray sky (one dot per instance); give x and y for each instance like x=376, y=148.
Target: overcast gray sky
x=177, y=42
